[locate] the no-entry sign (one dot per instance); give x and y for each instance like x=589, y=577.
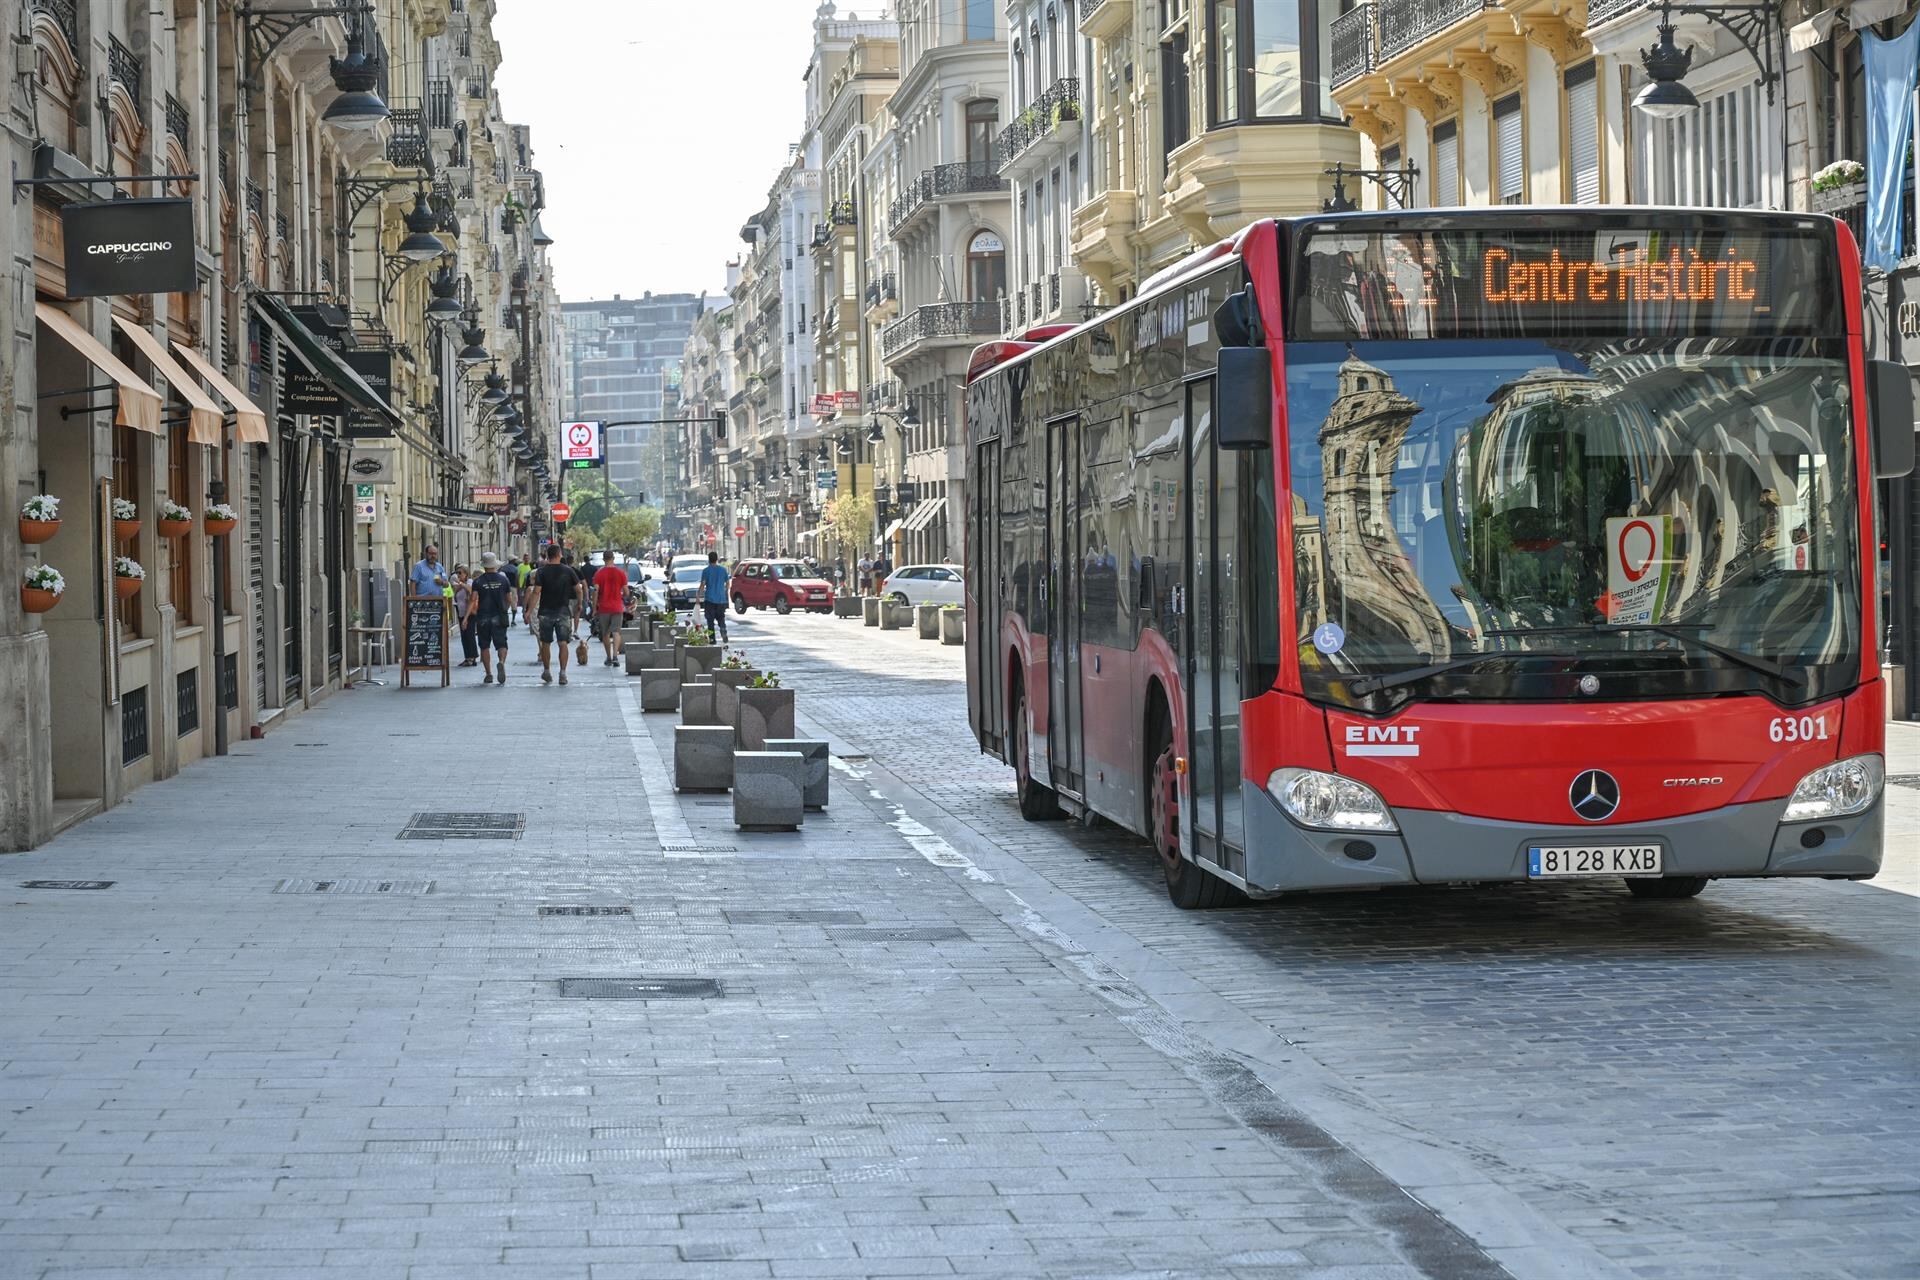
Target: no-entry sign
x=739, y=531
x=561, y=512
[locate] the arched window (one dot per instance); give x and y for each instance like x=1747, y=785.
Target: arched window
x=983, y=117
x=986, y=267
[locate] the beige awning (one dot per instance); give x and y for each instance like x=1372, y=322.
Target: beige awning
x=251, y=420
x=203, y=415
x=138, y=404
x=891, y=530
x=923, y=514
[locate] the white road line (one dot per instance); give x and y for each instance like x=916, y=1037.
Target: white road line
x=655, y=779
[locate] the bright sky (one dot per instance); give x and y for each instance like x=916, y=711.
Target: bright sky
x=659, y=127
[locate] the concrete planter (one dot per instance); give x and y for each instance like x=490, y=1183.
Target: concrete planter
x=640, y=655
x=726, y=687
x=696, y=703
x=953, y=626
x=814, y=752
x=660, y=689
x=846, y=606
x=630, y=636
x=769, y=790
x=697, y=660
x=870, y=610
x=926, y=621
x=890, y=615
x=702, y=758
x=902, y=616
x=762, y=714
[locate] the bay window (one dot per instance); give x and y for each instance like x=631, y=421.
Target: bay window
x=1261, y=65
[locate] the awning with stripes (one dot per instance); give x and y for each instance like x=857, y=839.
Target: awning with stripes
x=247, y=416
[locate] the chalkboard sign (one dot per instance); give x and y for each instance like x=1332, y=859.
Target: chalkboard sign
x=426, y=639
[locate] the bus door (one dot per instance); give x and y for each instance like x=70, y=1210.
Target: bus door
x=1065, y=753
x=986, y=589
x=1213, y=620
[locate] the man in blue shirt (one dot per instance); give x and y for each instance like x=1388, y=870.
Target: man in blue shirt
x=429, y=576
x=713, y=594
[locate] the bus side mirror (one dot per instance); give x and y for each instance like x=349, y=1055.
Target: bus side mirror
x=1890, y=418
x=1243, y=398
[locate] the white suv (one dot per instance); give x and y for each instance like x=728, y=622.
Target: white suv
x=925, y=584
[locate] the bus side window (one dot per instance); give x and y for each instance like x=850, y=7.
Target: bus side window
x=1145, y=597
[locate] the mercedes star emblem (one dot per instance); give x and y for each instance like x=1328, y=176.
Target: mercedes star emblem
x=1594, y=795
x=1589, y=684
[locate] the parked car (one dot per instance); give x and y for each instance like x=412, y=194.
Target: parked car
x=782, y=585
x=925, y=584
x=683, y=583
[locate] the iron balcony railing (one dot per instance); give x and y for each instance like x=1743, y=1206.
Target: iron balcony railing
x=124, y=67
x=964, y=177
x=1354, y=43
x=881, y=290
x=440, y=103
x=178, y=126
x=1405, y=23
x=1599, y=11
x=940, y=320
x=1059, y=105
x=65, y=16
x=407, y=145
x=842, y=214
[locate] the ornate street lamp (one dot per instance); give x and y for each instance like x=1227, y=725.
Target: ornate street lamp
x=421, y=245
x=357, y=76
x=446, y=295
x=1757, y=27
x=474, y=336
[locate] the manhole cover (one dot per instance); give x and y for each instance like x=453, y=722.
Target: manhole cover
x=66, y=884
x=358, y=885
x=1904, y=779
x=586, y=911
x=795, y=917
x=935, y=933
x=639, y=989
x=464, y=826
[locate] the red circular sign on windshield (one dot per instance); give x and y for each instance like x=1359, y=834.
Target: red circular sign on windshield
x=1637, y=545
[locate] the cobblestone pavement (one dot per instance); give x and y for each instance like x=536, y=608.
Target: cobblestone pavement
x=287, y=1041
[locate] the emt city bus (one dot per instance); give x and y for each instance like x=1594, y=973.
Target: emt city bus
x=1475, y=545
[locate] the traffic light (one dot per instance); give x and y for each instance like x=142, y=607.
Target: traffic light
x=719, y=426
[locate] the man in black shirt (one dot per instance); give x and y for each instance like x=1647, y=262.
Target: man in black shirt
x=490, y=602
x=555, y=601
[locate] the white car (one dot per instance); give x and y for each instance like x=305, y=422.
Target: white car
x=925, y=584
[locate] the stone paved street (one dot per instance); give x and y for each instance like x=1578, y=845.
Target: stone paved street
x=287, y=1041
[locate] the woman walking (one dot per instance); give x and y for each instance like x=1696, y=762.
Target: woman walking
x=462, y=596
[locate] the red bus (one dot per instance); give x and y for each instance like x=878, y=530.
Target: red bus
x=1416, y=548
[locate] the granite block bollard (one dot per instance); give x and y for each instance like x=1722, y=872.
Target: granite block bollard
x=696, y=702
x=727, y=682
x=846, y=606
x=819, y=767
x=953, y=626
x=702, y=757
x=890, y=615
x=870, y=610
x=697, y=660
x=660, y=689
x=769, y=790
x=762, y=714
x=640, y=654
x=926, y=621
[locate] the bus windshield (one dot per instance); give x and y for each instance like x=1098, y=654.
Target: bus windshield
x=1676, y=517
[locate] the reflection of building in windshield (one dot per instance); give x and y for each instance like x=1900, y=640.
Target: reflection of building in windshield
x=1369, y=582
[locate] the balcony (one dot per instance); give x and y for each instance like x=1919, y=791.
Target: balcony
x=1100, y=230
x=439, y=105
x=841, y=213
x=967, y=177
x=1055, y=112
x=937, y=321
x=1101, y=19
x=179, y=128
x=407, y=144
x=124, y=67
x=1354, y=43
x=1405, y=23
x=1602, y=11
x=882, y=293
x=65, y=18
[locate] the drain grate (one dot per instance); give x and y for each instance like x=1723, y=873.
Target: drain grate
x=66, y=884
x=464, y=826
x=361, y=885
x=1904, y=779
x=698, y=848
x=650, y=988
x=795, y=917
x=933, y=933
x=586, y=911
x=311, y=744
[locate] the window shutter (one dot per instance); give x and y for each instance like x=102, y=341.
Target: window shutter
x=1583, y=135
x=1509, y=152
x=1446, y=165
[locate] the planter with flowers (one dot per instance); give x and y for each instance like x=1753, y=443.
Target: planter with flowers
x=763, y=710
x=175, y=520
x=126, y=520
x=39, y=518
x=127, y=576
x=220, y=520
x=1841, y=185
x=42, y=588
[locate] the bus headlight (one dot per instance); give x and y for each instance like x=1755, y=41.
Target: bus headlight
x=1837, y=790
x=1329, y=801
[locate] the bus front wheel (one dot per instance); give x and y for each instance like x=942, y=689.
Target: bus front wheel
x=1667, y=887
x=1038, y=803
x=1191, y=887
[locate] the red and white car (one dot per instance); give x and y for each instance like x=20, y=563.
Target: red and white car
x=780, y=585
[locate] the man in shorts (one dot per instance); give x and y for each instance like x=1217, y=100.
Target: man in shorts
x=555, y=603
x=609, y=606
x=490, y=601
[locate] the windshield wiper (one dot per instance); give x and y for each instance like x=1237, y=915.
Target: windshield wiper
x=1676, y=631
x=1361, y=686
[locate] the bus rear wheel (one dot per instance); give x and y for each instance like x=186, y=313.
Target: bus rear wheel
x=1667, y=887
x=1191, y=887
x=1038, y=803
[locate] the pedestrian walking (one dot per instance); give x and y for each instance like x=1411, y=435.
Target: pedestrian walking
x=713, y=594
x=463, y=615
x=555, y=602
x=882, y=570
x=866, y=575
x=490, y=603
x=609, y=606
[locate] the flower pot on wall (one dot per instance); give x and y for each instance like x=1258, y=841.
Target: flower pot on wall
x=38, y=599
x=175, y=528
x=32, y=531
x=220, y=528
x=126, y=530
x=126, y=587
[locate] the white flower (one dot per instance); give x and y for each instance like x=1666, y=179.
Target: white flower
x=171, y=510
x=221, y=511
x=41, y=506
x=46, y=578
x=128, y=567
x=125, y=510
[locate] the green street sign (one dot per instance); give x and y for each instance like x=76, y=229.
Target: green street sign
x=364, y=492
x=582, y=464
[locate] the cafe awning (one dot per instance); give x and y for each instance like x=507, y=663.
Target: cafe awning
x=247, y=415
x=203, y=415
x=891, y=530
x=137, y=404
x=923, y=513
x=317, y=356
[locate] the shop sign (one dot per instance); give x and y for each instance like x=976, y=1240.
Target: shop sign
x=374, y=466
x=825, y=406
x=375, y=367
x=849, y=399
x=791, y=506
x=496, y=497
x=128, y=246
x=305, y=391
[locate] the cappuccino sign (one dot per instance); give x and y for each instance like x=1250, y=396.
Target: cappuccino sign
x=128, y=247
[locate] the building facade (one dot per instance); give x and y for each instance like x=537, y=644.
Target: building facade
x=1040, y=151
x=326, y=199
x=618, y=354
